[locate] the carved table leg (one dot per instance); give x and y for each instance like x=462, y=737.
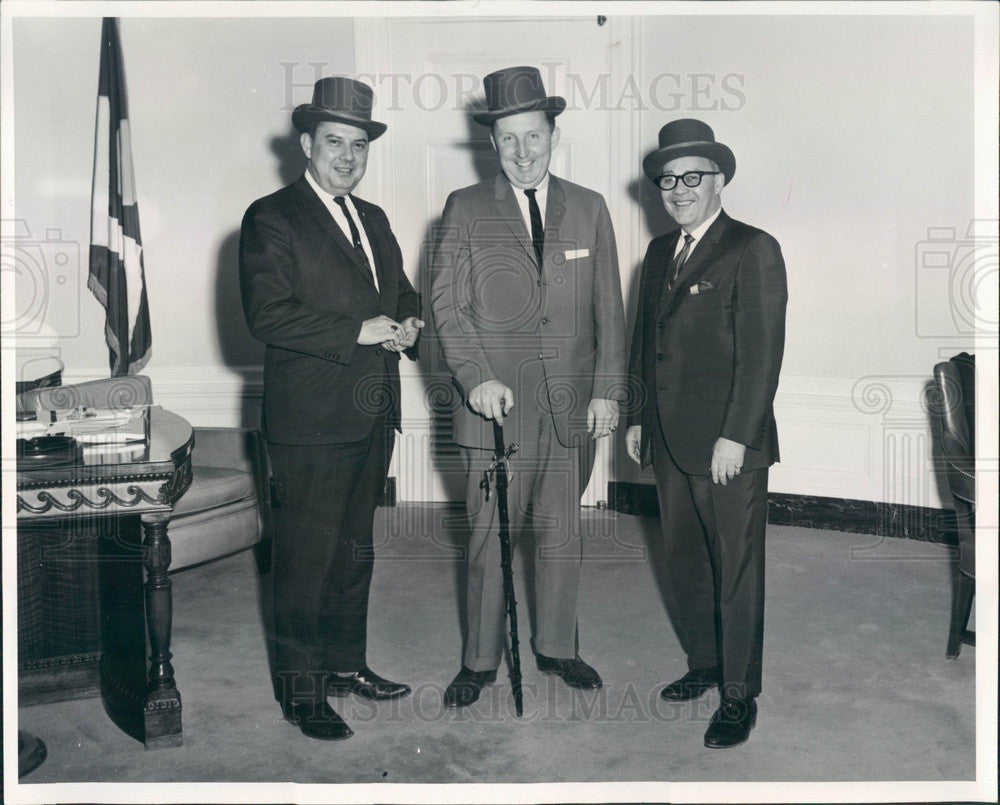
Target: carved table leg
x=163, y=703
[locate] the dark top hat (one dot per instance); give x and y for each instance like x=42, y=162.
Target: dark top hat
x=341, y=99
x=686, y=138
x=514, y=90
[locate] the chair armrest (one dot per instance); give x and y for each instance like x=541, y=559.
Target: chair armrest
x=111, y=392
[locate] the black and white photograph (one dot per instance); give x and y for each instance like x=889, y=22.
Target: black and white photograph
x=499, y=401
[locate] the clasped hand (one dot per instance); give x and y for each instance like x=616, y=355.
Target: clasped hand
x=392, y=335
x=727, y=455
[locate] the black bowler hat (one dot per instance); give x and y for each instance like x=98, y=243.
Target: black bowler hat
x=514, y=90
x=341, y=99
x=689, y=138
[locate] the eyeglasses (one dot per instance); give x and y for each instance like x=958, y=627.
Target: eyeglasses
x=691, y=179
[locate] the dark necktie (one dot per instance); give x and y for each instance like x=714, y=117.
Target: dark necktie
x=537, y=228
x=355, y=235
x=682, y=256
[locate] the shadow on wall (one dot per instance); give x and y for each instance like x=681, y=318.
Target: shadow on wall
x=240, y=351
x=647, y=197
x=440, y=396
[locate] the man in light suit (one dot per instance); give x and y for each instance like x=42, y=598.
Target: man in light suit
x=527, y=303
x=323, y=287
x=707, y=346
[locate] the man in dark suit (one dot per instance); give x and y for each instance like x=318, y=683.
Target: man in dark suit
x=707, y=346
x=527, y=303
x=323, y=287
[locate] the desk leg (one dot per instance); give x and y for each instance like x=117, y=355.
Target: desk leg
x=162, y=714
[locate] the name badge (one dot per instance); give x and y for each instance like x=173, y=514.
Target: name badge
x=576, y=254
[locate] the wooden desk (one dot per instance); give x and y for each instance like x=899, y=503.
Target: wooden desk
x=81, y=521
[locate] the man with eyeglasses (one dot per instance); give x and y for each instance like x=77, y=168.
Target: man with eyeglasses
x=707, y=346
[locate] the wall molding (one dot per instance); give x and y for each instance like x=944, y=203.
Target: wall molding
x=867, y=439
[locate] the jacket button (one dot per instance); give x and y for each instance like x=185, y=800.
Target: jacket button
x=659, y=356
x=660, y=325
x=545, y=320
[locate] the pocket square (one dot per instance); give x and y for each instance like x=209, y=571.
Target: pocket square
x=576, y=254
x=703, y=286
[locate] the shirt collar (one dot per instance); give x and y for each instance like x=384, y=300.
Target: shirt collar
x=698, y=233
x=325, y=197
x=542, y=187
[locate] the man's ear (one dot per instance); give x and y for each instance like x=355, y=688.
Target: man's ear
x=306, y=141
x=555, y=136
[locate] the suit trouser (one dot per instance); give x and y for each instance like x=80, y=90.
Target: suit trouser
x=546, y=480
x=714, y=538
x=325, y=498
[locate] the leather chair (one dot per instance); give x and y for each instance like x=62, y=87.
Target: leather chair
x=955, y=382
x=227, y=507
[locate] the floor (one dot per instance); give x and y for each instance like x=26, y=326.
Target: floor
x=856, y=683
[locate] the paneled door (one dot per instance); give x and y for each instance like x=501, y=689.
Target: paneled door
x=426, y=72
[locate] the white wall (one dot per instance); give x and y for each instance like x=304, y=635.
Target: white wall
x=853, y=137
x=210, y=113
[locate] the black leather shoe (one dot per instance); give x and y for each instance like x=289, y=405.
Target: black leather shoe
x=466, y=687
x=366, y=683
x=690, y=686
x=575, y=672
x=318, y=720
x=731, y=724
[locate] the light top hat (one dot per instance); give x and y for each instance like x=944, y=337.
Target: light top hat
x=514, y=90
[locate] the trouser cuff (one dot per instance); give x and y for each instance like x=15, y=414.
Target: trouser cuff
x=557, y=651
x=481, y=664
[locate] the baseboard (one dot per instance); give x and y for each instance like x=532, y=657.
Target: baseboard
x=811, y=511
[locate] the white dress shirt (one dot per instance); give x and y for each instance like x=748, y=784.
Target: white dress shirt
x=541, y=196
x=697, y=234
x=338, y=215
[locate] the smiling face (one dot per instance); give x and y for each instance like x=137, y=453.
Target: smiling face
x=524, y=143
x=692, y=206
x=337, y=154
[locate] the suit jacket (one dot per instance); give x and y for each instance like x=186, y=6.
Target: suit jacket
x=556, y=337
x=306, y=293
x=708, y=350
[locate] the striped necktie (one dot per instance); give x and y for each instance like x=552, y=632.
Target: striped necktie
x=680, y=259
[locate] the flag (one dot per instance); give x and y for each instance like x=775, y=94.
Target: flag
x=117, y=277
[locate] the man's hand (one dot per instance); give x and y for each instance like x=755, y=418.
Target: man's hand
x=633, y=443
x=492, y=400
x=602, y=417
x=378, y=330
x=727, y=459
x=409, y=328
